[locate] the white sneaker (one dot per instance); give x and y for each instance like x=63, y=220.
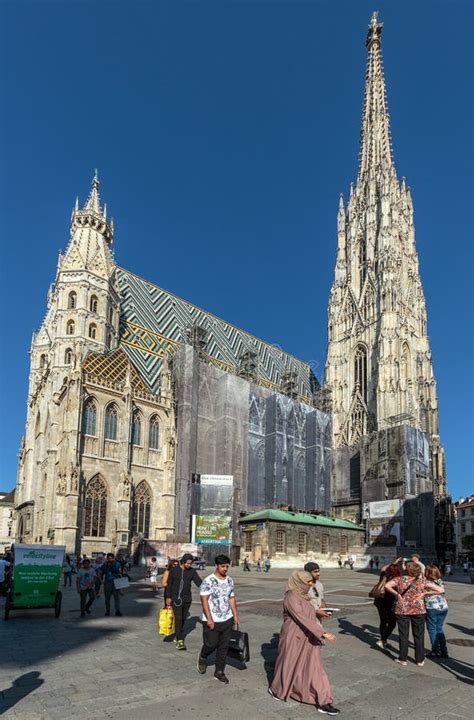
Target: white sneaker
x=381, y=644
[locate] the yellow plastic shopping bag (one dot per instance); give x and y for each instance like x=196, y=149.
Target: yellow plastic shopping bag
x=166, y=621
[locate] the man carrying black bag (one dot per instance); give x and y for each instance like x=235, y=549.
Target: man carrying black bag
x=219, y=615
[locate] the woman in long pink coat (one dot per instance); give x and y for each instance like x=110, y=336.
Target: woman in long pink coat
x=299, y=672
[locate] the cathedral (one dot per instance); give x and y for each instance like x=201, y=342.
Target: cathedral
x=135, y=394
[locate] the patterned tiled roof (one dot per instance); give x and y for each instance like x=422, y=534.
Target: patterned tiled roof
x=154, y=321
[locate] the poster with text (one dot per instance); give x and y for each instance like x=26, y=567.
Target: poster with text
x=36, y=574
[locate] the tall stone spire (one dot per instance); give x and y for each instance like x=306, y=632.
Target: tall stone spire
x=375, y=140
x=93, y=201
x=378, y=362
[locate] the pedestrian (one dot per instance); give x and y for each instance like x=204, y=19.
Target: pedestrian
x=97, y=582
x=171, y=563
x=246, y=564
x=67, y=571
x=109, y=571
x=436, y=613
x=258, y=567
x=178, y=594
x=85, y=580
x=376, y=562
x=4, y=569
x=154, y=570
x=465, y=567
x=410, y=609
x=371, y=563
x=351, y=562
x=384, y=604
x=339, y=561
x=448, y=569
x=416, y=559
x=267, y=564
x=316, y=591
x=219, y=608
x=299, y=672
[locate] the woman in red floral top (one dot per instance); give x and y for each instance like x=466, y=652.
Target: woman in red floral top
x=409, y=591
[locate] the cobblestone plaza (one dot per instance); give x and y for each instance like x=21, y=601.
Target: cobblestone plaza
x=119, y=667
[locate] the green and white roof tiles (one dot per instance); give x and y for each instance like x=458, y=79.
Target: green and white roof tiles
x=154, y=321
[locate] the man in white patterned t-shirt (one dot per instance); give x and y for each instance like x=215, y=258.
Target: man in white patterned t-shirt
x=219, y=614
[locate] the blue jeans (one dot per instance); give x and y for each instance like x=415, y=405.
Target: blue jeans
x=434, y=622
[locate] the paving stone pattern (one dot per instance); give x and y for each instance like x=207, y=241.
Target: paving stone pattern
x=109, y=667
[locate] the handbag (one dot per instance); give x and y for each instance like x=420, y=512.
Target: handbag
x=166, y=622
x=378, y=591
x=239, y=648
x=121, y=582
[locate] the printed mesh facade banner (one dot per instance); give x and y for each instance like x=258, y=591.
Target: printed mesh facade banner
x=213, y=529
x=215, y=501
x=277, y=449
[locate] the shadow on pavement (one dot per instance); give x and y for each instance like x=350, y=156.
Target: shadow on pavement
x=348, y=628
x=468, y=631
x=462, y=671
x=31, y=636
x=269, y=653
x=20, y=688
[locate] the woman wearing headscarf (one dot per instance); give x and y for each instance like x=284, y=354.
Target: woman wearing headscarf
x=299, y=672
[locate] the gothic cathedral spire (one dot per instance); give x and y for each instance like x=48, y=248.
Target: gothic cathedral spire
x=378, y=362
x=375, y=141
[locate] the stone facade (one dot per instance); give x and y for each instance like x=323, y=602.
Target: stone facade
x=379, y=365
x=87, y=476
x=292, y=539
x=7, y=530
x=465, y=528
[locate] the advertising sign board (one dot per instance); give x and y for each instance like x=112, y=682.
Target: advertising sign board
x=36, y=574
x=252, y=527
x=214, y=529
x=384, y=508
x=385, y=533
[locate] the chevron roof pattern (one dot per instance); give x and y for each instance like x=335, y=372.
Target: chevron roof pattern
x=154, y=321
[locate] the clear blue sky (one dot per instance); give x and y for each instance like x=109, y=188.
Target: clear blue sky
x=224, y=133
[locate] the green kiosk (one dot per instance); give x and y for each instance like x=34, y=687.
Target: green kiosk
x=35, y=578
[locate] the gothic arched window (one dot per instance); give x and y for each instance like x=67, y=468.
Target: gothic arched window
x=72, y=300
x=360, y=370
x=111, y=315
x=254, y=417
x=92, y=331
x=141, y=509
x=42, y=361
x=111, y=416
x=93, y=304
x=89, y=418
x=136, y=428
x=154, y=433
x=68, y=356
x=70, y=327
x=95, y=508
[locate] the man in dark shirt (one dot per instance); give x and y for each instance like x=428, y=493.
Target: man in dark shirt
x=178, y=594
x=109, y=571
